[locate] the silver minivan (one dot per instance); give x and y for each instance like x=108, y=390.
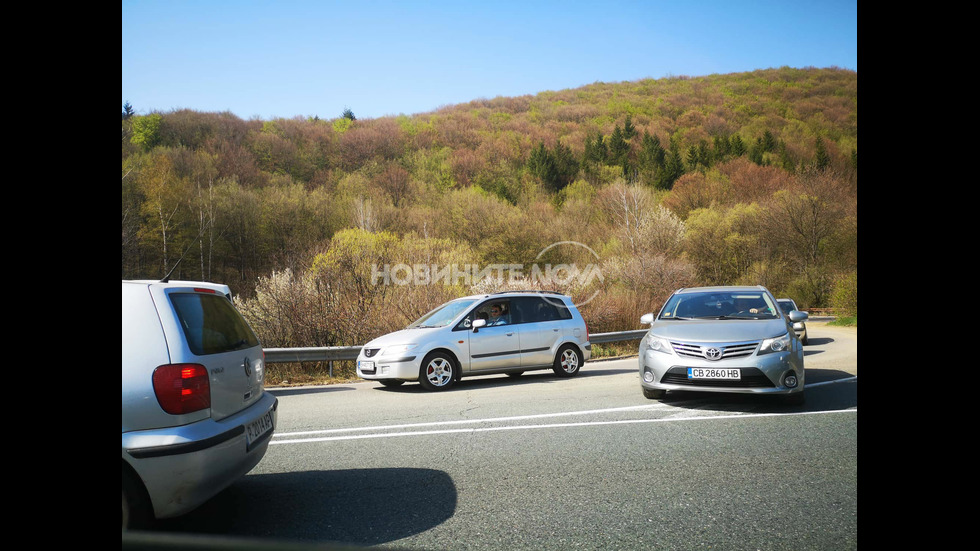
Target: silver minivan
x=509, y=332
x=195, y=416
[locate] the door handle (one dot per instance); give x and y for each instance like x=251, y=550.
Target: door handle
x=511, y=334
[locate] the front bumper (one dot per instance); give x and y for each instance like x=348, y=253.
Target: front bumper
x=379, y=368
x=182, y=467
x=766, y=374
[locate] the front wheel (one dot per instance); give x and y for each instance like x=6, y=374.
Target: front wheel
x=438, y=371
x=568, y=361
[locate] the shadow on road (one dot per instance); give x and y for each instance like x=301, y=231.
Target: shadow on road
x=539, y=376
x=357, y=507
x=296, y=391
x=826, y=390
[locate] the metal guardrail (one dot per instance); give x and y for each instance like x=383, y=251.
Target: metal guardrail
x=339, y=353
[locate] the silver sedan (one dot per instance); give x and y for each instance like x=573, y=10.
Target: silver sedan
x=722, y=339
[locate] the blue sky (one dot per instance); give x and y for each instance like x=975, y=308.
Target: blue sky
x=268, y=59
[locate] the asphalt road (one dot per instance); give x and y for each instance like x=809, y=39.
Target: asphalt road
x=546, y=463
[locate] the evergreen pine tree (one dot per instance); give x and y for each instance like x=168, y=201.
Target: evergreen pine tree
x=768, y=142
x=822, y=159
x=737, y=146
x=618, y=146
x=629, y=131
x=722, y=147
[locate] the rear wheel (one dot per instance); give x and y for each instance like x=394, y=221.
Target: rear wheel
x=438, y=371
x=136, y=509
x=568, y=361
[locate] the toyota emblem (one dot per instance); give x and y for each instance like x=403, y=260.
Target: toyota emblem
x=712, y=353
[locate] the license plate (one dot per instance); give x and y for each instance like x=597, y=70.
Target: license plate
x=255, y=430
x=712, y=373
x=366, y=367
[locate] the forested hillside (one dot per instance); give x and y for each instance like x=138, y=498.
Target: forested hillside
x=746, y=178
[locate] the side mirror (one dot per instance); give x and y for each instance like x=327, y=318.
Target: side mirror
x=646, y=319
x=478, y=323
x=796, y=316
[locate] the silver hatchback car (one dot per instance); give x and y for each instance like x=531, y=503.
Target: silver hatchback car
x=195, y=416
x=722, y=339
x=509, y=332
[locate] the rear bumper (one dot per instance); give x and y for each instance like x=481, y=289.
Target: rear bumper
x=182, y=467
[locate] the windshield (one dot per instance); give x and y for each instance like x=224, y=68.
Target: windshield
x=443, y=315
x=720, y=305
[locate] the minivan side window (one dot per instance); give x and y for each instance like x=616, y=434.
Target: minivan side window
x=537, y=309
x=211, y=324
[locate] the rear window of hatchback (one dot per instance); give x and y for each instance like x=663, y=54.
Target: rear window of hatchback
x=211, y=324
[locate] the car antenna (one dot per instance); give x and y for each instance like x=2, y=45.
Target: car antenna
x=166, y=278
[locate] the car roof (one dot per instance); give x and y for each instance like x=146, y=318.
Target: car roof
x=721, y=289
x=509, y=294
x=219, y=287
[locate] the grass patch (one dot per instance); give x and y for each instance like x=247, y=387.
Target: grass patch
x=844, y=321
x=614, y=349
x=310, y=373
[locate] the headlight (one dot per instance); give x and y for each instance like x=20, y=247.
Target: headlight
x=398, y=349
x=776, y=344
x=658, y=345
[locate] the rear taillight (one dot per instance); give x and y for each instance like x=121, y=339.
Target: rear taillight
x=182, y=388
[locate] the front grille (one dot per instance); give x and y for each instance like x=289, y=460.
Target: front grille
x=751, y=378
x=728, y=351
x=370, y=352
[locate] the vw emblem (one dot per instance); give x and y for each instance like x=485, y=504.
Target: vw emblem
x=248, y=367
x=712, y=353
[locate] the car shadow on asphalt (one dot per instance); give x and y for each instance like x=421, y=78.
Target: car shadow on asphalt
x=299, y=390
x=483, y=381
x=362, y=507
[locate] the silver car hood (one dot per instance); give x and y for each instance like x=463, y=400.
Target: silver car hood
x=404, y=336
x=719, y=330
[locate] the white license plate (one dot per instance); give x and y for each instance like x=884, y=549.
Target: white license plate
x=366, y=367
x=713, y=373
x=257, y=429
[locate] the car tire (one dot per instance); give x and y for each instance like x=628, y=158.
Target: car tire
x=136, y=509
x=805, y=340
x=654, y=393
x=391, y=383
x=568, y=361
x=438, y=371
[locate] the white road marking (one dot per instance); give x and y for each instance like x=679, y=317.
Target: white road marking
x=298, y=437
